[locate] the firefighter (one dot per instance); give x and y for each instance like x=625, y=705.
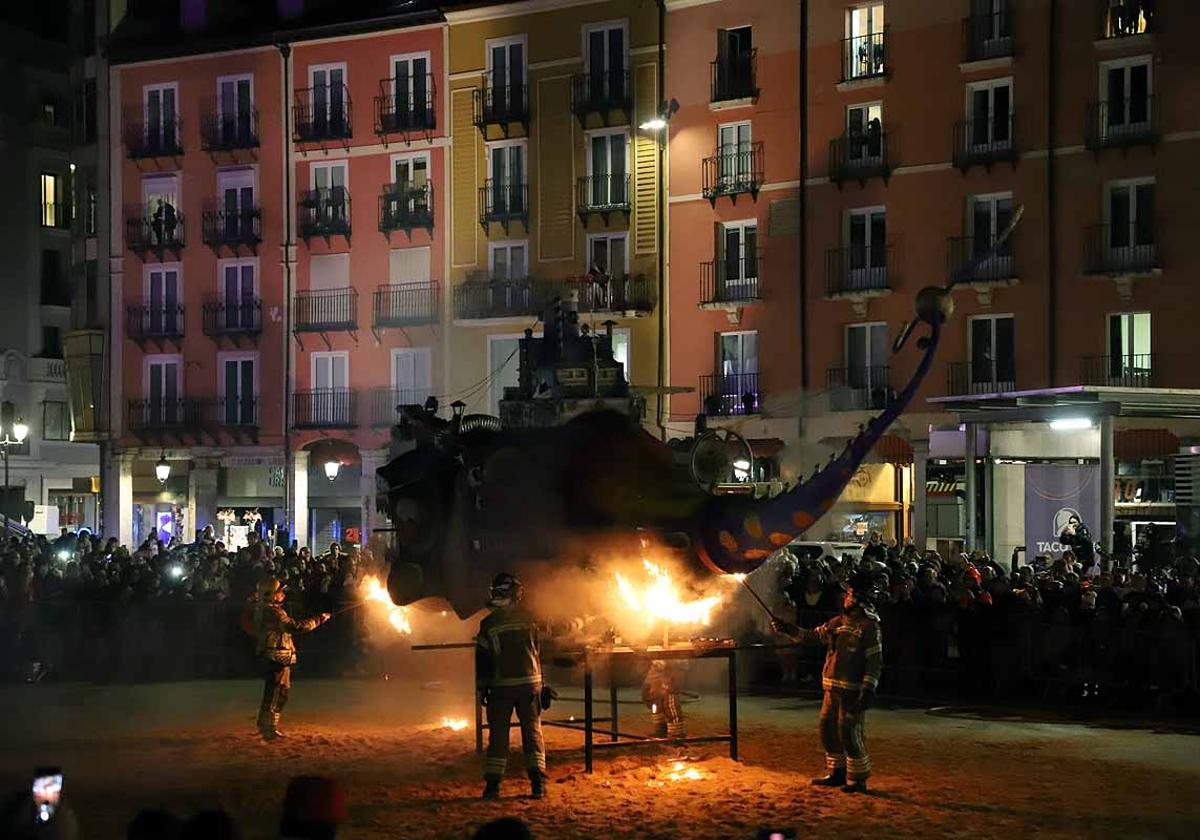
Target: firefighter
x=273, y=629
x=508, y=673
x=660, y=693
x=849, y=678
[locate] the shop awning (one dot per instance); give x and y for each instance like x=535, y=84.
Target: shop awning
x=1144, y=444
x=893, y=449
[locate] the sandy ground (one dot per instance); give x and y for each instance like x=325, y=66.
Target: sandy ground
x=186, y=746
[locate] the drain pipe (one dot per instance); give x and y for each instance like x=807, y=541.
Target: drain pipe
x=661, y=142
x=803, y=197
x=289, y=251
x=1051, y=197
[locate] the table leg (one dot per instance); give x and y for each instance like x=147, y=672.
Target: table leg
x=733, y=725
x=612, y=699
x=587, y=713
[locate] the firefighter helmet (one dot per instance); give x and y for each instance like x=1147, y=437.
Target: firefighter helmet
x=268, y=587
x=505, y=585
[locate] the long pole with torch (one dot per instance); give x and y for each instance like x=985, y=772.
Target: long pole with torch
x=742, y=580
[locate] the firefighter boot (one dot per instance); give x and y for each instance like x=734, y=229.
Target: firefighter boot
x=835, y=778
x=537, y=789
x=491, y=790
x=857, y=786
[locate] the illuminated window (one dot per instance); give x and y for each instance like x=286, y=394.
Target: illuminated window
x=53, y=211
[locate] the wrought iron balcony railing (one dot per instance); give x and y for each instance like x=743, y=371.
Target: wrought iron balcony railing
x=730, y=394
x=858, y=388
x=152, y=138
x=221, y=132
x=989, y=34
x=503, y=202
x=984, y=140
x=734, y=170
x=497, y=299
x=237, y=412
x=332, y=310
x=167, y=415
x=963, y=378
x=324, y=212
x=1130, y=370
x=160, y=230
x=730, y=280
x=386, y=403
x=405, y=207
x=1130, y=121
x=325, y=408
x=613, y=294
x=221, y=227
x=500, y=105
x=405, y=107
x=233, y=318
x=859, y=155
x=600, y=93
x=734, y=78
x=962, y=251
x=857, y=269
x=323, y=113
x=864, y=56
x=405, y=305
x=155, y=320
x=1121, y=249
x=602, y=194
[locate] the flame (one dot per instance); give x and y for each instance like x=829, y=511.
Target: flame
x=659, y=600
x=454, y=724
x=738, y=577
x=373, y=590
x=679, y=772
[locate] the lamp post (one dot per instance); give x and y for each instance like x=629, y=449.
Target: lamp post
x=20, y=431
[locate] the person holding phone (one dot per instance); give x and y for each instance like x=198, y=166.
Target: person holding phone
x=273, y=631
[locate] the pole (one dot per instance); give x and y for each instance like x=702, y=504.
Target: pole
x=1107, y=479
x=733, y=735
x=587, y=711
x=969, y=446
x=761, y=602
x=661, y=142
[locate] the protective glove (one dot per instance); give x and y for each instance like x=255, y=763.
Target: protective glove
x=325, y=617
x=483, y=696
x=784, y=627
x=548, y=696
x=866, y=699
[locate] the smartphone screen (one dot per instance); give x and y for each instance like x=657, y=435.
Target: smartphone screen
x=47, y=789
x=776, y=834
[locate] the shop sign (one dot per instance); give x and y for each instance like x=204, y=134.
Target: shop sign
x=253, y=461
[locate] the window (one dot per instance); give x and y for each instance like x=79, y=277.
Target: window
x=608, y=254
x=987, y=217
x=735, y=67
x=411, y=171
x=54, y=210
x=738, y=248
x=1128, y=17
x=89, y=210
x=1129, y=354
x=160, y=203
x=50, y=113
x=864, y=133
x=328, y=100
x=506, y=171
x=409, y=266
x=56, y=421
x=990, y=21
x=737, y=365
x=330, y=404
x=239, y=294
x=604, y=51
x=164, y=389
x=864, y=55
x=163, y=314
x=1125, y=91
x=56, y=291
x=235, y=100
x=237, y=204
x=506, y=73
x=866, y=355
x=989, y=114
x=411, y=368
x=607, y=168
x=52, y=343
x=329, y=182
x=867, y=237
x=736, y=163
x=620, y=348
x=161, y=114
x=239, y=390
x=993, y=362
x=1130, y=223
x=508, y=260
x=410, y=90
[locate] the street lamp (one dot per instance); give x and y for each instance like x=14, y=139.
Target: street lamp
x=331, y=469
x=20, y=431
x=162, y=470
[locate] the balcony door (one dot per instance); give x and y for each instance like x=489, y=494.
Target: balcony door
x=411, y=368
x=160, y=203
x=237, y=203
x=506, y=168
x=734, y=155
x=509, y=261
x=607, y=155
x=990, y=23
x=867, y=354
x=410, y=184
x=163, y=296
x=735, y=48
x=238, y=294
x=235, y=102
x=608, y=258
x=988, y=217
x=739, y=260
x=864, y=134
x=1125, y=89
x=737, y=366
x=989, y=114
x=606, y=63
x=993, y=354
x=329, y=181
x=866, y=235
x=331, y=380
x=506, y=76
x=1129, y=359
x=164, y=389
x=410, y=90
x=1130, y=225
x=238, y=390
x=864, y=28
x=162, y=117
x=328, y=100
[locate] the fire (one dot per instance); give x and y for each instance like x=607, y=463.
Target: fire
x=454, y=724
x=738, y=577
x=660, y=600
x=678, y=771
x=373, y=590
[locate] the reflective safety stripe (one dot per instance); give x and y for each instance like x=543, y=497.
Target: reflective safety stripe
x=532, y=679
x=829, y=682
x=872, y=651
x=871, y=681
x=835, y=762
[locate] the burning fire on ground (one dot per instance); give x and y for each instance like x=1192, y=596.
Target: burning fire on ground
x=454, y=724
x=678, y=771
x=658, y=599
x=374, y=591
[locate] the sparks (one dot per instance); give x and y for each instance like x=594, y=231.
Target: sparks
x=373, y=590
x=659, y=600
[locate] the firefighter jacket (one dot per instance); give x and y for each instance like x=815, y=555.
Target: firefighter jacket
x=273, y=629
x=506, y=649
x=855, y=653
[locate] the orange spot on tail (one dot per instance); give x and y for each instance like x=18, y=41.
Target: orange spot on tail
x=802, y=519
x=753, y=526
x=728, y=542
x=778, y=538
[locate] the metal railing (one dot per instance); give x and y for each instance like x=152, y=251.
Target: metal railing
x=160, y=138
x=386, y=403
x=500, y=104
x=405, y=206
x=406, y=304
x=858, y=155
x=400, y=109
x=864, y=56
x=855, y=269
x=730, y=280
x=329, y=119
x=734, y=78
x=324, y=212
x=599, y=193
x=729, y=394
x=1120, y=249
x=237, y=412
x=56, y=214
x=733, y=170
x=497, y=299
x=225, y=318
x=1129, y=370
x=166, y=414
x=161, y=230
x=1121, y=122
x=963, y=378
x=984, y=140
x=225, y=132
x=236, y=227
x=615, y=294
x=155, y=320
x=961, y=251
x=326, y=311
x=989, y=34
x=600, y=92
x=859, y=388
x=325, y=408
x=504, y=202
x=1124, y=18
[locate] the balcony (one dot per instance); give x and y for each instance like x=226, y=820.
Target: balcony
x=479, y=300
x=730, y=394
x=732, y=171
x=325, y=311
x=56, y=215
x=323, y=114
x=989, y=35
x=156, y=233
x=729, y=283
x=155, y=323
x=859, y=156
x=857, y=271
x=239, y=413
x=502, y=106
x=967, y=261
x=734, y=78
x=405, y=207
x=1127, y=18
x=386, y=403
x=228, y=132
x=1120, y=123
x=602, y=94
x=405, y=305
x=168, y=418
x=504, y=203
x=967, y=378
x=325, y=408
x=984, y=141
x=324, y=212
x=231, y=229
x=399, y=110
x=1121, y=250
x=602, y=195
x=864, y=57
x=626, y=296
x=233, y=320
x=1132, y=370
x=146, y=140
x=858, y=388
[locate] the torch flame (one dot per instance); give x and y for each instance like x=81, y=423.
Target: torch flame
x=373, y=590
x=454, y=724
x=660, y=601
